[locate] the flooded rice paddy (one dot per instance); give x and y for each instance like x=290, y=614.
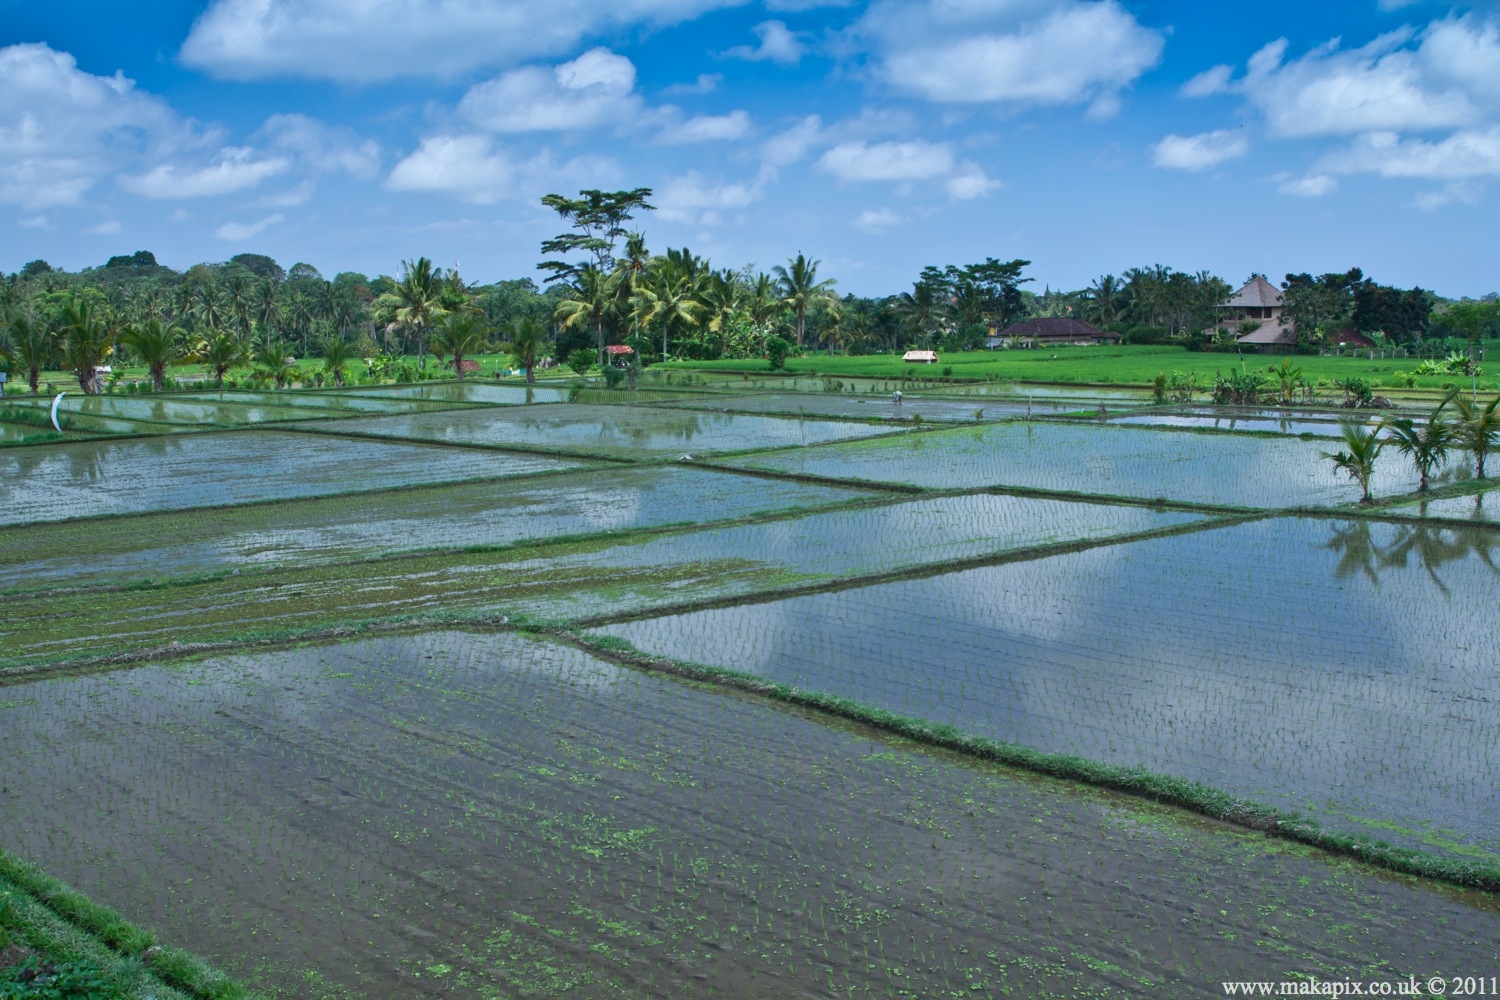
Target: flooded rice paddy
x=490, y=816
x=580, y=580
x=354, y=715
x=84, y=479
x=610, y=429
x=343, y=528
x=1233, y=470
x=1343, y=669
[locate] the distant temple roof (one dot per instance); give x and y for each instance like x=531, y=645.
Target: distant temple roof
x=1255, y=293
x=1055, y=328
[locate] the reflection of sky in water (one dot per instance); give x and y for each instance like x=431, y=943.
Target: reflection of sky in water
x=104, y=477
x=849, y=405
x=606, y=427
x=1307, y=664
x=1480, y=507
x=1323, y=428
x=1101, y=459
x=479, y=514
x=473, y=392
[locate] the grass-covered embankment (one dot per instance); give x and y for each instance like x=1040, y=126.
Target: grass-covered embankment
x=55, y=942
x=1099, y=365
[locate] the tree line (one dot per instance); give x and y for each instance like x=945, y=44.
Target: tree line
x=603, y=286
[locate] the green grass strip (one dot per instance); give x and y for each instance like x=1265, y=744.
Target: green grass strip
x=175, y=967
x=1190, y=795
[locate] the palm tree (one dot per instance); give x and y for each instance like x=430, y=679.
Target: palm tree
x=1426, y=444
x=670, y=297
x=267, y=306
x=1104, y=299
x=86, y=343
x=1287, y=377
x=1478, y=428
x=528, y=341
x=272, y=362
x=460, y=333
x=157, y=344
x=799, y=286
x=763, y=302
x=917, y=307
x=335, y=357
x=222, y=351
x=34, y=345
x=417, y=301
x=237, y=299
x=1362, y=446
x=587, y=302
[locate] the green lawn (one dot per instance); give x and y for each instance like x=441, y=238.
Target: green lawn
x=1119, y=365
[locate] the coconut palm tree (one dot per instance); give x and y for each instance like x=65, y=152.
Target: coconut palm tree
x=221, y=351
x=800, y=288
x=763, y=302
x=1478, y=428
x=1362, y=446
x=237, y=292
x=34, y=346
x=417, y=301
x=587, y=303
x=86, y=343
x=460, y=333
x=527, y=344
x=336, y=356
x=669, y=298
x=1427, y=443
x=158, y=345
x=272, y=363
x=918, y=307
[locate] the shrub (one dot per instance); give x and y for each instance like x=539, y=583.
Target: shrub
x=777, y=348
x=613, y=376
x=582, y=360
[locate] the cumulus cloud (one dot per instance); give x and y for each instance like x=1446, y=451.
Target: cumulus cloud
x=1020, y=53
x=322, y=147
x=877, y=220
x=62, y=129
x=1199, y=152
x=694, y=199
x=1310, y=186
x=465, y=166
x=1460, y=192
x=704, y=128
x=706, y=83
x=778, y=44
x=1463, y=155
x=238, y=232
x=234, y=168
x=597, y=88
x=915, y=160
x=793, y=144
x=368, y=40
x=474, y=168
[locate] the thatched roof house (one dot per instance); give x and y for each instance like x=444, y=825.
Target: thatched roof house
x=1053, y=330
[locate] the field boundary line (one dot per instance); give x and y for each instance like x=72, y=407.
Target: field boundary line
x=461, y=445
x=1192, y=796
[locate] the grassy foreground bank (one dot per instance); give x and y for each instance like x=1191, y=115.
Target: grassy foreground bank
x=55, y=942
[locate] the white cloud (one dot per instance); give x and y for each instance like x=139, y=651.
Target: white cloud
x=1214, y=80
x=367, y=40
x=473, y=168
x=877, y=220
x=791, y=145
x=706, y=128
x=969, y=182
x=1020, y=53
x=889, y=161
x=465, y=166
x=35, y=222
x=62, y=129
x=778, y=44
x=109, y=227
x=706, y=83
x=301, y=194
x=234, y=168
x=1461, y=192
x=597, y=88
x=238, y=232
x=916, y=160
x=1310, y=186
x=695, y=200
x=1199, y=152
x=1461, y=156
x=322, y=147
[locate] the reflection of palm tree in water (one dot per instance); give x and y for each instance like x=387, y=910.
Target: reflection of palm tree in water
x=1430, y=545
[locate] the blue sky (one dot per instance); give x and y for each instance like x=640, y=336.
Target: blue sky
x=1088, y=136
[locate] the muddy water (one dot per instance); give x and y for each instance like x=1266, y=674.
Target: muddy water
x=486, y=816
